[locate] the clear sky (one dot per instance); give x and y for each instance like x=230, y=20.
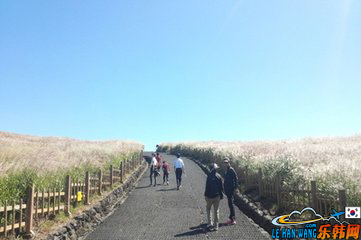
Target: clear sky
x=157, y=71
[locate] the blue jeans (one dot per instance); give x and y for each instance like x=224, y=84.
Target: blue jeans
x=230, y=205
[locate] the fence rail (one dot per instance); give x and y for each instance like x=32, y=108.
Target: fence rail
x=17, y=217
x=290, y=198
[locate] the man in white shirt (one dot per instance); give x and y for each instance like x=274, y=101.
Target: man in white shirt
x=153, y=170
x=178, y=169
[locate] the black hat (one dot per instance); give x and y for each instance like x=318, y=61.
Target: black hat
x=178, y=154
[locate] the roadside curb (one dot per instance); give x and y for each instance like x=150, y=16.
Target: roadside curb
x=83, y=224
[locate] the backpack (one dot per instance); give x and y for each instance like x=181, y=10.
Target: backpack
x=213, y=186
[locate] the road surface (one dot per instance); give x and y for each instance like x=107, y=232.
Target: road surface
x=163, y=212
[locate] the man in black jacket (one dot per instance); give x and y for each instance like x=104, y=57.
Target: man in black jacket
x=213, y=195
x=230, y=185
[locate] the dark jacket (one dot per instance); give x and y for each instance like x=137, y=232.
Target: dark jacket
x=230, y=181
x=214, y=185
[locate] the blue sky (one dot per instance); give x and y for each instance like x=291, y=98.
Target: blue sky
x=157, y=71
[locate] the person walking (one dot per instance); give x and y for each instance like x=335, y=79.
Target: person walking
x=213, y=195
x=153, y=170
x=178, y=169
x=230, y=185
x=159, y=161
x=166, y=170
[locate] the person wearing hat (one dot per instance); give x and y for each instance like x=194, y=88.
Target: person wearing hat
x=230, y=185
x=213, y=194
x=178, y=169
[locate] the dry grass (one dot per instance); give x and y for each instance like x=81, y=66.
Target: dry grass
x=46, y=154
x=317, y=157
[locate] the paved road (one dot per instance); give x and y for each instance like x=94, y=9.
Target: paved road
x=162, y=212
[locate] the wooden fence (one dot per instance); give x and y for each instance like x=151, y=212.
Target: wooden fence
x=17, y=217
x=290, y=198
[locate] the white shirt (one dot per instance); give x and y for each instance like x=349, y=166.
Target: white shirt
x=178, y=163
x=154, y=162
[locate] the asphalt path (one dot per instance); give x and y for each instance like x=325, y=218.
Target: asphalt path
x=163, y=212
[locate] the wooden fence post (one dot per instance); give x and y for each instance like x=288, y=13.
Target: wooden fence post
x=260, y=184
x=13, y=223
x=126, y=166
x=111, y=176
x=278, y=191
x=59, y=199
x=121, y=172
x=54, y=191
x=75, y=201
x=314, y=195
x=87, y=188
x=342, y=201
x=342, y=198
x=29, y=213
x=67, y=195
x=246, y=177
x=131, y=165
x=21, y=215
x=5, y=218
x=100, y=182
x=43, y=202
x=48, y=203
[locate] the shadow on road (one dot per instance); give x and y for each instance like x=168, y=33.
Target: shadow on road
x=143, y=187
x=200, y=229
x=223, y=225
x=167, y=189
